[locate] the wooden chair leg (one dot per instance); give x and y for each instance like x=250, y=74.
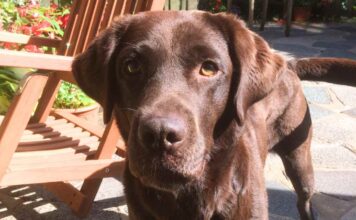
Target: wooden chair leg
x=17, y=117
x=251, y=10
x=350, y=8
x=67, y=193
x=264, y=14
x=106, y=150
x=46, y=101
x=289, y=17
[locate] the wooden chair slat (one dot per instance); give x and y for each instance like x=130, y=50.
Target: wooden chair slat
x=35, y=60
x=64, y=172
x=118, y=9
x=139, y=6
x=129, y=7
x=110, y=4
x=51, y=134
x=57, y=144
x=73, y=19
x=26, y=39
x=156, y=5
x=85, y=27
x=148, y=5
x=95, y=22
x=37, y=155
x=75, y=30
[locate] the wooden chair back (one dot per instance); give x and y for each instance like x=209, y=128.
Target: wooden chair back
x=87, y=19
x=90, y=17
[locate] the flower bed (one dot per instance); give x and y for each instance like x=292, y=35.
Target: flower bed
x=33, y=17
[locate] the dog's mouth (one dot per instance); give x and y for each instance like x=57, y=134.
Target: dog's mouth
x=166, y=171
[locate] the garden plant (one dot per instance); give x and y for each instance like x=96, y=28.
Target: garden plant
x=37, y=18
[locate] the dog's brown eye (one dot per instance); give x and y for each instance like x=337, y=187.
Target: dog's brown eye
x=208, y=68
x=132, y=67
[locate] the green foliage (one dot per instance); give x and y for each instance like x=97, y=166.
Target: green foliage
x=9, y=80
x=216, y=6
x=70, y=96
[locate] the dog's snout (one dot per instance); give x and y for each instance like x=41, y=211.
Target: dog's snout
x=161, y=133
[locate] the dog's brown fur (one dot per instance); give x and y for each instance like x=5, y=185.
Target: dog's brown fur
x=224, y=125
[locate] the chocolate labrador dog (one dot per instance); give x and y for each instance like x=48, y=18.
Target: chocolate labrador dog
x=201, y=100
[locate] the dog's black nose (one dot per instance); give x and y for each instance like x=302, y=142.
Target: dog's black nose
x=163, y=133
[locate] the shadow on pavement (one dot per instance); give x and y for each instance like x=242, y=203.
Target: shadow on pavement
x=32, y=202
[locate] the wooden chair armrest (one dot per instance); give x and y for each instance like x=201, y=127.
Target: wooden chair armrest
x=35, y=60
x=26, y=39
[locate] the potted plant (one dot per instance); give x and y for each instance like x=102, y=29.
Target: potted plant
x=72, y=99
x=302, y=10
x=69, y=98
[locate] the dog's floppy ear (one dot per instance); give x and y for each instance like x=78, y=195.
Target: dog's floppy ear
x=93, y=70
x=256, y=65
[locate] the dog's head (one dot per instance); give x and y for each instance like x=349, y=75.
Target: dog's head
x=176, y=81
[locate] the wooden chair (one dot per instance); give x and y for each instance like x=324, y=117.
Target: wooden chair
x=54, y=147
x=288, y=15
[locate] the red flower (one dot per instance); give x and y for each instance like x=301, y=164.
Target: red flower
x=54, y=6
x=35, y=29
x=44, y=24
x=26, y=30
x=33, y=48
x=22, y=11
x=39, y=28
x=11, y=46
x=64, y=20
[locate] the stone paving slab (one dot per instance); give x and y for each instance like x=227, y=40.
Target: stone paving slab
x=342, y=45
x=340, y=129
x=318, y=94
x=338, y=53
x=33, y=202
x=318, y=112
x=330, y=208
x=348, y=29
x=350, y=215
x=332, y=156
x=296, y=50
x=338, y=183
x=282, y=202
x=346, y=94
x=350, y=112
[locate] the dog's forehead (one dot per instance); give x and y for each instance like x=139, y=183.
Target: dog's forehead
x=169, y=29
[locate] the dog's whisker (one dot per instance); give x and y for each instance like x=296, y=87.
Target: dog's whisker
x=128, y=109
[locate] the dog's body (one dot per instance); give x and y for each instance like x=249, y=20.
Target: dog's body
x=201, y=100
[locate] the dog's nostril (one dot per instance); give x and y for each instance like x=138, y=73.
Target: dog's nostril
x=173, y=137
x=160, y=132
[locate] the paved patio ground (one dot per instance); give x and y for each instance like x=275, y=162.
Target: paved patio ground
x=333, y=109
